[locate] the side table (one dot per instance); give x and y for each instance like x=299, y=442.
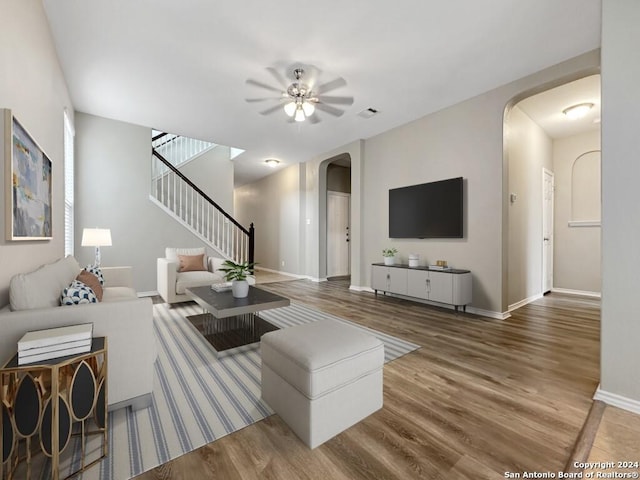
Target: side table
x=41, y=404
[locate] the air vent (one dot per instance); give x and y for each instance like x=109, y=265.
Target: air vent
x=368, y=113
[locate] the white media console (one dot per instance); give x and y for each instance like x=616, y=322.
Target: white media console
x=451, y=286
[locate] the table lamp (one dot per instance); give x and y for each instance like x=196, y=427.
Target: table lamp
x=96, y=237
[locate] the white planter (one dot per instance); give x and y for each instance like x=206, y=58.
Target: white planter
x=240, y=288
x=389, y=260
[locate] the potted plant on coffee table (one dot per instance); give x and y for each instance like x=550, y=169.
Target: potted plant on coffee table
x=237, y=273
x=389, y=255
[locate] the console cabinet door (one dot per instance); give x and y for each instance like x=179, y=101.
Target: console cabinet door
x=379, y=278
x=441, y=287
x=398, y=280
x=418, y=284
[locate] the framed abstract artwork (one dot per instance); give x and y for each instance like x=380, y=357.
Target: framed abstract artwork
x=28, y=185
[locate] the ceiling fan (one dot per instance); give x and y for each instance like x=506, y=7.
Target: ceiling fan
x=300, y=99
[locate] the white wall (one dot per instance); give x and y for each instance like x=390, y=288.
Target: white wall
x=272, y=204
x=529, y=150
x=576, y=264
x=113, y=162
x=620, y=334
x=33, y=87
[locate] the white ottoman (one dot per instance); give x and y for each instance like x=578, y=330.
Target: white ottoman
x=321, y=377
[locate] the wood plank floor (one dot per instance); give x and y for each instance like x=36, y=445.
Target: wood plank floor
x=480, y=398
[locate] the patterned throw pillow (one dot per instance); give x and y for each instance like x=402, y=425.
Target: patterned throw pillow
x=77, y=293
x=96, y=271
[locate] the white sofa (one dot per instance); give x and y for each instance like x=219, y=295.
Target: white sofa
x=172, y=283
x=125, y=319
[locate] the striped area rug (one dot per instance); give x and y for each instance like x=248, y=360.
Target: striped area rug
x=197, y=398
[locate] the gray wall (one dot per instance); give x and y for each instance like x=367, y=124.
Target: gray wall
x=273, y=205
x=338, y=179
x=576, y=264
x=529, y=150
x=620, y=334
x=113, y=172
x=462, y=140
x=33, y=87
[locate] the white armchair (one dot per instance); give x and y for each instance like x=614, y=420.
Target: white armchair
x=172, y=282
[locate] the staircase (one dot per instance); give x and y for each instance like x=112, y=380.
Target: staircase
x=180, y=198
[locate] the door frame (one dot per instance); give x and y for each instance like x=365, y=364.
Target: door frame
x=549, y=251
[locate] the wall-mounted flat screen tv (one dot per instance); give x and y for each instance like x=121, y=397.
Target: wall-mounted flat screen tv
x=428, y=210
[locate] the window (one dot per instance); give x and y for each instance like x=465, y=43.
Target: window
x=68, y=185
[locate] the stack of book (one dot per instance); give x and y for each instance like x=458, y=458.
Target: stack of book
x=41, y=345
x=439, y=267
x=221, y=287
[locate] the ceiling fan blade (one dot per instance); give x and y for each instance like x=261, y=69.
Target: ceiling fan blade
x=313, y=119
x=332, y=85
x=256, y=83
x=271, y=110
x=336, y=100
x=279, y=78
x=253, y=100
x=329, y=109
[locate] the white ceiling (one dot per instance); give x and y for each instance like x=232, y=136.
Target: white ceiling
x=546, y=108
x=181, y=66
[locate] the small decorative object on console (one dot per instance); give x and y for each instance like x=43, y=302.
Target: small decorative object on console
x=414, y=260
x=389, y=255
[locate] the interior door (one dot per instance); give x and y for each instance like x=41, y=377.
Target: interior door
x=338, y=219
x=547, y=230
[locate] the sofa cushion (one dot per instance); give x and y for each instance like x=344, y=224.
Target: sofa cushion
x=191, y=263
x=78, y=293
x=41, y=288
x=90, y=280
x=172, y=253
x=195, y=279
x=114, y=294
x=95, y=270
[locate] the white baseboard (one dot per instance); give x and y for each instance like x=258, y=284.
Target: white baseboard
x=317, y=280
x=282, y=273
x=488, y=313
x=522, y=303
x=584, y=293
x=357, y=288
x=616, y=400
x=148, y=294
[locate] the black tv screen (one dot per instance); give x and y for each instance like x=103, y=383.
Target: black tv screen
x=428, y=210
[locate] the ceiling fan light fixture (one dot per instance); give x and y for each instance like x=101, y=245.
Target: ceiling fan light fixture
x=300, y=116
x=308, y=108
x=290, y=109
x=577, y=111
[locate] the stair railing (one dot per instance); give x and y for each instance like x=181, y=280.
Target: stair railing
x=189, y=205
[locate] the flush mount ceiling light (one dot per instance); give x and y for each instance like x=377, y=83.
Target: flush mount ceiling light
x=272, y=162
x=299, y=99
x=577, y=111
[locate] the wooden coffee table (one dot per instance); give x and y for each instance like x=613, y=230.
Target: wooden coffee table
x=232, y=324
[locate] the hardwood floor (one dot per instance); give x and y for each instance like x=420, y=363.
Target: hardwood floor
x=482, y=397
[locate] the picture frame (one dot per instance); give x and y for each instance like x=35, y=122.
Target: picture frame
x=28, y=185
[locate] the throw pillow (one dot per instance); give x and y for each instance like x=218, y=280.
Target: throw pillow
x=96, y=271
x=91, y=281
x=77, y=293
x=191, y=263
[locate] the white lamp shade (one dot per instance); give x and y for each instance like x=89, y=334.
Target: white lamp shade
x=308, y=108
x=299, y=115
x=96, y=237
x=290, y=108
